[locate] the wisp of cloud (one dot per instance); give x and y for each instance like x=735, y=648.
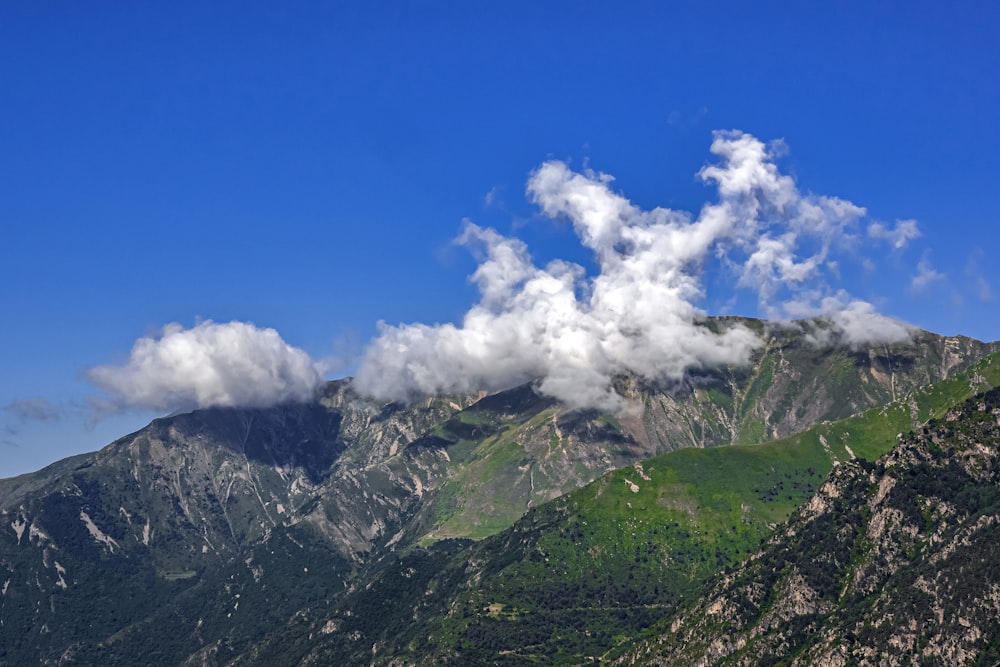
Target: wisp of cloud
x=639, y=314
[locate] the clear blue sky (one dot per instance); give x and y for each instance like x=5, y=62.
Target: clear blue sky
x=305, y=166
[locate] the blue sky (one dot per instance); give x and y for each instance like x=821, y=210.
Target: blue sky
x=306, y=168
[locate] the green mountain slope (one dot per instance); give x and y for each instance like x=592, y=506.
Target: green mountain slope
x=583, y=576
x=893, y=563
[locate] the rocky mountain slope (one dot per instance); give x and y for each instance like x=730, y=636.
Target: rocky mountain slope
x=209, y=528
x=892, y=563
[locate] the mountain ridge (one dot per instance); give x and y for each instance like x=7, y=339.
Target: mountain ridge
x=180, y=510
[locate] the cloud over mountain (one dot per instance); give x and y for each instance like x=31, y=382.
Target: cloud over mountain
x=210, y=364
x=640, y=312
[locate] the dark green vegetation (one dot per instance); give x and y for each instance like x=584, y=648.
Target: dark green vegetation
x=338, y=532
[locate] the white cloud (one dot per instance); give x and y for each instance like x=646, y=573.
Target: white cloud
x=898, y=237
x=856, y=323
x=210, y=364
x=926, y=274
x=491, y=196
x=639, y=313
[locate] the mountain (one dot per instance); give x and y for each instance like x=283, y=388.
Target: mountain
x=583, y=576
x=893, y=562
x=209, y=530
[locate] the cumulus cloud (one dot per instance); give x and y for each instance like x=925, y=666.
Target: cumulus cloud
x=860, y=324
x=639, y=314
x=838, y=319
x=210, y=364
x=899, y=236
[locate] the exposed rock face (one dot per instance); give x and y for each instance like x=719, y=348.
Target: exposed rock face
x=789, y=385
x=890, y=564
